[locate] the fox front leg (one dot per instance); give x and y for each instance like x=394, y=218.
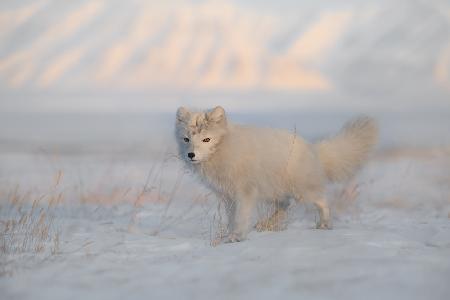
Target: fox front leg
x=230, y=208
x=245, y=205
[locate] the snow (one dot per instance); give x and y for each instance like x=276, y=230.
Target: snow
x=391, y=235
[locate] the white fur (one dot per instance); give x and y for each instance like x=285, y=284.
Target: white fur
x=244, y=164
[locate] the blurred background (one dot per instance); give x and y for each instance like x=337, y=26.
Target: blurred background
x=96, y=76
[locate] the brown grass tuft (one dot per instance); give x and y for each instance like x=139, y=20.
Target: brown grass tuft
x=27, y=225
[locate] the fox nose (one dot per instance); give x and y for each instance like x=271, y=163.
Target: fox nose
x=191, y=155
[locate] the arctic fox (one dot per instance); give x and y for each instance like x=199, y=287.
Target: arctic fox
x=244, y=165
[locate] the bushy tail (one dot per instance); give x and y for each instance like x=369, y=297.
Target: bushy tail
x=342, y=155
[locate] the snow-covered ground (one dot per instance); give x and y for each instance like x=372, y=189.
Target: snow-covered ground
x=137, y=225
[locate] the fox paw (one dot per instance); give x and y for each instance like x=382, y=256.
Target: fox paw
x=231, y=238
x=323, y=226
x=234, y=238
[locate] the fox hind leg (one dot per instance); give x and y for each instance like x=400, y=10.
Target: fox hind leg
x=324, y=213
x=321, y=203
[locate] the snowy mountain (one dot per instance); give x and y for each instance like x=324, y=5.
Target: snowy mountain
x=175, y=47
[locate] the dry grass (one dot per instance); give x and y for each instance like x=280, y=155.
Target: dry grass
x=27, y=225
x=152, y=192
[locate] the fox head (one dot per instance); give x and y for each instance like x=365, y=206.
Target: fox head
x=199, y=133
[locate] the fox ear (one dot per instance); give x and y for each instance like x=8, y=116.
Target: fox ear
x=182, y=114
x=216, y=115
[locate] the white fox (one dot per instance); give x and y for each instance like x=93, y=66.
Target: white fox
x=244, y=165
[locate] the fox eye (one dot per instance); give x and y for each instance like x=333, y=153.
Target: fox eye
x=206, y=140
x=186, y=140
